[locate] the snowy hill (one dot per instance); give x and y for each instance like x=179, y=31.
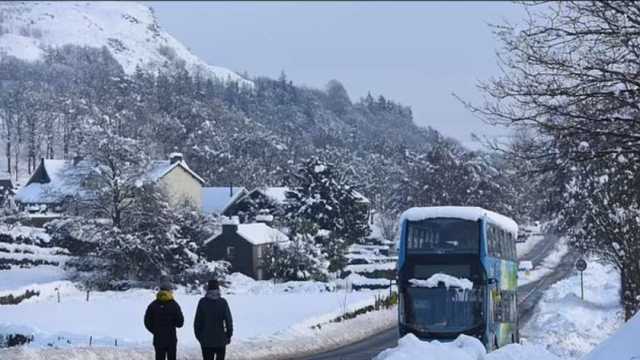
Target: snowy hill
x=130, y=31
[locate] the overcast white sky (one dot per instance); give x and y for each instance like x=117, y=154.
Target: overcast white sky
x=414, y=53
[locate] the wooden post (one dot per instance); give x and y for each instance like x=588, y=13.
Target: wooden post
x=90, y=340
x=116, y=342
x=88, y=291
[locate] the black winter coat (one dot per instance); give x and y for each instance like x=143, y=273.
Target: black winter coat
x=161, y=319
x=213, y=324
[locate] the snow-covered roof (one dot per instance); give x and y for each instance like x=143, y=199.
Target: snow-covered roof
x=60, y=184
x=460, y=212
x=160, y=168
x=259, y=234
x=361, y=197
x=215, y=200
x=279, y=194
x=54, y=180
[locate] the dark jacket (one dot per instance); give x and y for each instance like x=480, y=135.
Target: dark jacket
x=162, y=318
x=213, y=324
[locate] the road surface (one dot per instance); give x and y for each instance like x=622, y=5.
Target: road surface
x=528, y=297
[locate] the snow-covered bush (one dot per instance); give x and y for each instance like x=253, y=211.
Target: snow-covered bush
x=300, y=259
x=77, y=234
x=198, y=275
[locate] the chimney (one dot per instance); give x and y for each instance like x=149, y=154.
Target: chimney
x=175, y=157
x=77, y=159
x=230, y=225
x=229, y=228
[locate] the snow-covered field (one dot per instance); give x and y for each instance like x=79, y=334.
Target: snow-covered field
x=271, y=320
x=29, y=278
x=570, y=327
x=259, y=309
x=621, y=345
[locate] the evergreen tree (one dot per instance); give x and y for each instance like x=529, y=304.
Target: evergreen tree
x=324, y=197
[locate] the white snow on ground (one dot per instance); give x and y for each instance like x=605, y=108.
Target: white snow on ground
x=242, y=284
x=111, y=315
x=622, y=345
x=535, y=235
x=25, y=278
x=269, y=320
x=359, y=280
x=547, y=265
x=27, y=232
x=448, y=280
x=463, y=348
x=293, y=342
x=365, y=268
x=33, y=253
x=570, y=327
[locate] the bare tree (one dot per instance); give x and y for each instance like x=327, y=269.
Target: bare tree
x=570, y=73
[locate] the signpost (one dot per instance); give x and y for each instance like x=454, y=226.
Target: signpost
x=581, y=265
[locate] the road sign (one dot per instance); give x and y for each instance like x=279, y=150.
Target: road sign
x=581, y=265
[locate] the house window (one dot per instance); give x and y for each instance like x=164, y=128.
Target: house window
x=231, y=252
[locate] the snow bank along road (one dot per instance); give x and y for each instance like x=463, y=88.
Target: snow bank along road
x=528, y=296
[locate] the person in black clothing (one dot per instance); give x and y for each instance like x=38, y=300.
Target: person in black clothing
x=162, y=318
x=213, y=324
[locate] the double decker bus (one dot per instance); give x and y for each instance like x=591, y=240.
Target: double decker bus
x=457, y=274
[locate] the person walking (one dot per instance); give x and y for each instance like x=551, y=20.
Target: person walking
x=213, y=324
x=162, y=318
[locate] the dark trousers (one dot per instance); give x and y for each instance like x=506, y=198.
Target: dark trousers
x=213, y=353
x=166, y=352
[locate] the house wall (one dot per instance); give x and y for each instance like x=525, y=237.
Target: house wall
x=243, y=261
x=181, y=186
x=259, y=253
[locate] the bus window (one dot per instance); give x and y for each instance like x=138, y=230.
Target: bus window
x=495, y=249
x=443, y=235
x=490, y=246
x=443, y=310
x=512, y=247
x=505, y=307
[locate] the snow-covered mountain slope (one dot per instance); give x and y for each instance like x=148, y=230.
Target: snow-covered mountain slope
x=129, y=30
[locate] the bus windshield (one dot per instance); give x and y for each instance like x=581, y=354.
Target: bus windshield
x=443, y=310
x=443, y=236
